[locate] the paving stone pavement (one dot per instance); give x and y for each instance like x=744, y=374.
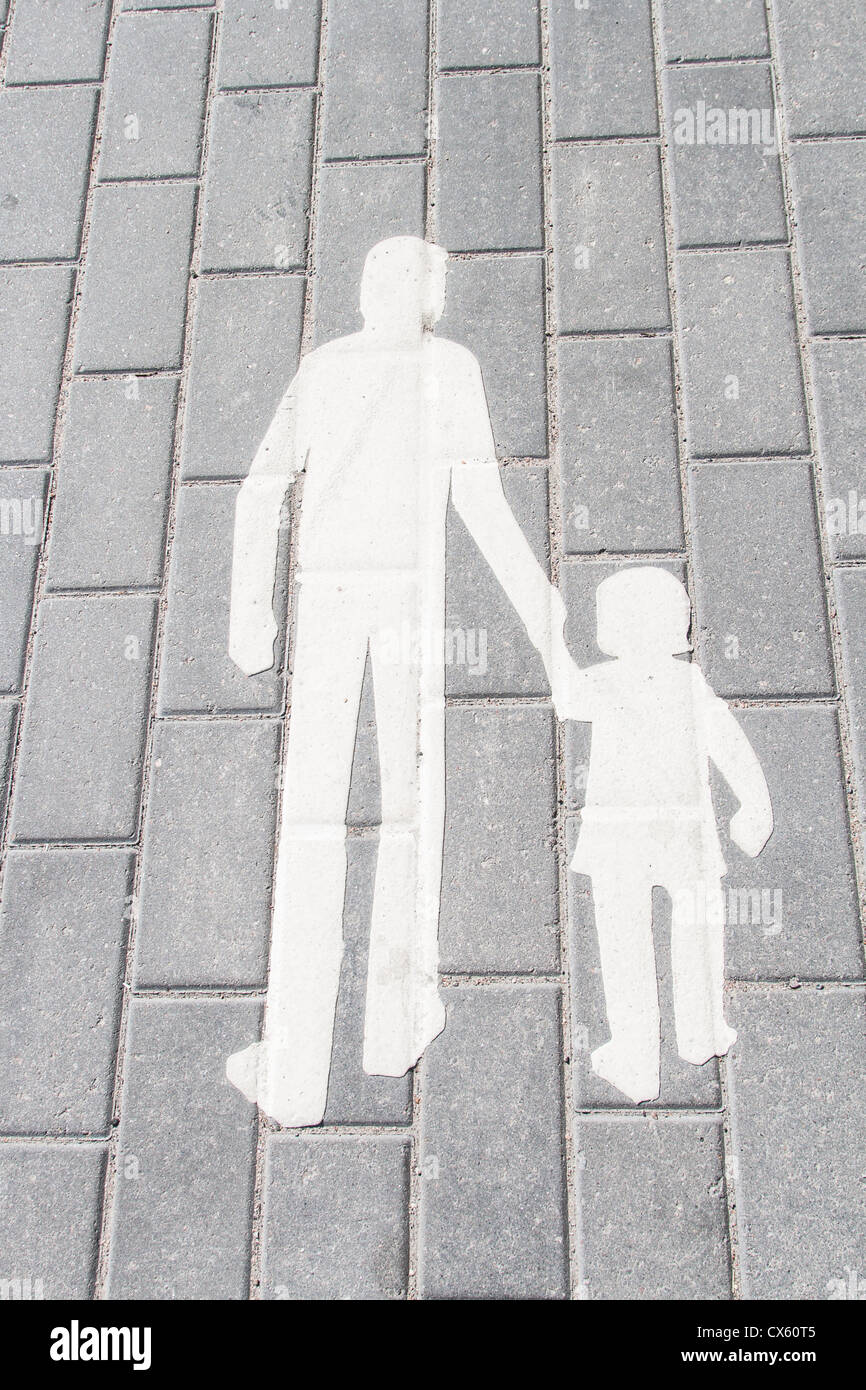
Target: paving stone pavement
x=672, y=331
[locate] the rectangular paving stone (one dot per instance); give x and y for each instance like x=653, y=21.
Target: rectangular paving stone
x=500, y=904
x=257, y=190
x=798, y=1093
x=488, y=651
x=494, y=305
x=23, y=493
x=349, y=1194
x=135, y=280
x=111, y=503
x=486, y=34
x=197, y=672
x=245, y=341
x=609, y=240
x=157, y=82
x=181, y=1223
x=761, y=615
x=743, y=383
x=50, y=1197
x=822, y=53
x=34, y=318
x=359, y=205
x=618, y=446
x=57, y=41
x=488, y=166
x=851, y=602
x=793, y=910
x=729, y=191
x=829, y=180
x=375, y=89
x=65, y=923
x=603, y=73
x=45, y=139
x=263, y=45
x=84, y=727
x=692, y=29
x=654, y=1211
x=492, y=1220
x=838, y=373
x=208, y=854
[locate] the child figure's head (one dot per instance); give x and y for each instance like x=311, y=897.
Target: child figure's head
x=644, y=614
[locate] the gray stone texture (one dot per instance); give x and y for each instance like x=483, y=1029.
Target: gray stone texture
x=830, y=190
x=822, y=54
x=8, y=726
x=487, y=33
x=488, y=167
x=743, y=382
x=603, y=74
x=57, y=41
x=50, y=1199
x=761, y=613
x=23, y=493
x=183, y=1200
x=375, y=92
x=262, y=45
x=692, y=29
x=838, y=373
x=84, y=726
x=851, y=600
x=208, y=854
x=157, y=80
x=609, y=239
x=64, y=929
x=111, y=503
x=353, y=1192
x=257, y=189
x=45, y=139
x=34, y=317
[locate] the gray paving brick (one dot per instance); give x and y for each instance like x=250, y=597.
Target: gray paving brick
x=727, y=192
x=829, y=180
x=83, y=736
x=495, y=306
x=8, y=725
x=208, y=855
x=851, y=602
x=798, y=1092
x=157, y=80
x=603, y=74
x=34, y=317
x=135, y=280
x=500, y=908
x=486, y=34
x=350, y=1194
x=609, y=239
x=488, y=167
x=197, y=672
x=161, y=4
x=743, y=384
x=618, y=446
x=45, y=139
x=492, y=1214
x=257, y=188
x=359, y=205
x=245, y=341
x=793, y=910
x=262, y=45
x=57, y=41
x=822, y=53
x=724, y=29
x=375, y=92
x=838, y=373
x=183, y=1203
x=761, y=616
x=111, y=503
x=22, y=509
x=50, y=1197
x=492, y=654
x=65, y=923
x=654, y=1215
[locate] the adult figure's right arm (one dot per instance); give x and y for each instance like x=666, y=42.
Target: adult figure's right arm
x=252, y=626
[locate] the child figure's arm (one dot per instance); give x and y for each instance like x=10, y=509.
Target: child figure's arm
x=735, y=758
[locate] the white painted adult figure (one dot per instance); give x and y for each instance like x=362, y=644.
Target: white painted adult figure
x=382, y=423
x=649, y=822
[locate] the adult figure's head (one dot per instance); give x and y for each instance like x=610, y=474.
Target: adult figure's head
x=403, y=287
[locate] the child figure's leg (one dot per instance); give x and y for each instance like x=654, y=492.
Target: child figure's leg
x=623, y=919
x=698, y=963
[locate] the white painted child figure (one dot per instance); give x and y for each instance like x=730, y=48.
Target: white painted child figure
x=649, y=821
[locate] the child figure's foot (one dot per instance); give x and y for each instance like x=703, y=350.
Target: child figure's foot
x=699, y=1053
x=263, y=1075
x=635, y=1080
